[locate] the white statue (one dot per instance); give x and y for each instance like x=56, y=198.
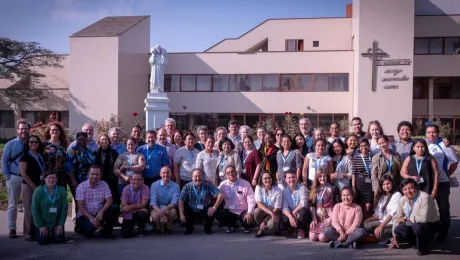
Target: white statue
x=158, y=61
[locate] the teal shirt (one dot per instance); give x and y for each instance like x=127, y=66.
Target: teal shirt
x=41, y=205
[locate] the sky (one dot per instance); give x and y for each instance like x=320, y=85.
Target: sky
x=178, y=25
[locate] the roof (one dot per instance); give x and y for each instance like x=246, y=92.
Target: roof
x=110, y=26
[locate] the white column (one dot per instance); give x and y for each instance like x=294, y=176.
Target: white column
x=430, y=99
x=156, y=110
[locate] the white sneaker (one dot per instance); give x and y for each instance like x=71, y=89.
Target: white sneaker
x=148, y=227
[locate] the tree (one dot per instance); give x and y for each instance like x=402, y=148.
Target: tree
x=18, y=63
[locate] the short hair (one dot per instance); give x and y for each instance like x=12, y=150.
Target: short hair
x=247, y=128
x=220, y=128
x=226, y=139
x=232, y=122
x=202, y=128
x=249, y=137
x=407, y=181
x=384, y=137
x=151, y=132
x=432, y=125
x=364, y=140
x=78, y=134
x=319, y=129
x=161, y=129
x=338, y=125
x=94, y=166
x=115, y=129
x=48, y=173
x=137, y=172
x=348, y=188
x=199, y=170
x=405, y=123
x=189, y=134
x=290, y=171
x=261, y=128
x=22, y=121
x=136, y=126
x=171, y=120
x=305, y=119
x=357, y=119
x=87, y=124
x=229, y=166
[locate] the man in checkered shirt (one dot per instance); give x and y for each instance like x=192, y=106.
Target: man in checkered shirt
x=195, y=202
x=95, y=207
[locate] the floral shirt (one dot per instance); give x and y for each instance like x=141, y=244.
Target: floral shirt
x=79, y=160
x=127, y=159
x=55, y=158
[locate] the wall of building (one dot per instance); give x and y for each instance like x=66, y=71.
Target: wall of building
x=93, y=77
x=436, y=7
x=391, y=23
x=441, y=107
x=332, y=34
x=436, y=65
x=133, y=71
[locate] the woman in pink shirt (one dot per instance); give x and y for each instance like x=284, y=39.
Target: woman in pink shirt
x=346, y=218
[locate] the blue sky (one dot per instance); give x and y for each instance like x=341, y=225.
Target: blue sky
x=184, y=25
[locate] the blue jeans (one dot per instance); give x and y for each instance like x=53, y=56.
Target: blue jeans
x=51, y=238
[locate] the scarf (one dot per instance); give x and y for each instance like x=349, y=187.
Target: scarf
x=267, y=152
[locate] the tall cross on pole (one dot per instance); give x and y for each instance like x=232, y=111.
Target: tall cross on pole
x=374, y=53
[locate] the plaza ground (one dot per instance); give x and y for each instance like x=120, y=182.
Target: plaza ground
x=217, y=246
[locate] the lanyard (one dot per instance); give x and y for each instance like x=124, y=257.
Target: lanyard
x=42, y=166
x=52, y=200
x=134, y=198
x=294, y=196
x=246, y=157
x=320, y=161
x=221, y=164
x=320, y=198
x=418, y=165
x=233, y=191
x=165, y=194
x=199, y=197
x=411, y=206
x=150, y=152
x=389, y=163
x=266, y=198
x=190, y=154
x=339, y=164
x=285, y=158
x=368, y=169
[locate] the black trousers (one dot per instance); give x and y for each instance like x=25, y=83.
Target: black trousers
x=127, y=227
x=108, y=222
x=442, y=199
x=191, y=216
x=229, y=219
x=418, y=234
x=304, y=220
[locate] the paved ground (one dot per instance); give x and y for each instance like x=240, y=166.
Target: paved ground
x=219, y=245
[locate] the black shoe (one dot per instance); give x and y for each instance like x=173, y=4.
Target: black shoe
x=208, y=231
x=277, y=233
x=13, y=234
x=441, y=238
x=118, y=224
x=168, y=232
x=423, y=252
x=188, y=232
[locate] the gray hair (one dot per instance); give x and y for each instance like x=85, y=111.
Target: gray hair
x=87, y=124
x=305, y=119
x=198, y=169
x=115, y=129
x=318, y=129
x=221, y=128
x=171, y=120
x=247, y=128
x=201, y=127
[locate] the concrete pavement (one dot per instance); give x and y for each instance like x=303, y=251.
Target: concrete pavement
x=217, y=246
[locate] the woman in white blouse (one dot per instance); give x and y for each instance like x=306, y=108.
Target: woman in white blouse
x=228, y=157
x=269, y=201
x=185, y=160
x=207, y=160
x=381, y=224
x=314, y=161
x=341, y=176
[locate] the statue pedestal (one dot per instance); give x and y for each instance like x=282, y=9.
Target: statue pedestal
x=156, y=110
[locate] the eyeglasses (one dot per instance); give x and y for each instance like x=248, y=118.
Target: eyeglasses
x=33, y=142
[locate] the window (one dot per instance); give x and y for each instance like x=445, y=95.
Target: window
x=420, y=88
x=188, y=82
x=338, y=82
x=321, y=83
x=288, y=83
x=203, y=82
x=270, y=83
x=7, y=119
x=305, y=82
x=172, y=83
x=34, y=117
x=315, y=43
x=451, y=44
x=254, y=83
x=221, y=82
x=239, y=82
x=294, y=45
x=421, y=45
x=436, y=45
x=325, y=121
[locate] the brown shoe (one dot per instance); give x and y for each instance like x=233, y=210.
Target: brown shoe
x=13, y=234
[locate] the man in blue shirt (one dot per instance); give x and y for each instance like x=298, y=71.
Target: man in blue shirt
x=156, y=157
x=12, y=152
x=164, y=197
x=114, y=134
x=88, y=128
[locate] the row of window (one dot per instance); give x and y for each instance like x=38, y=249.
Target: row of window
x=297, y=45
x=436, y=45
x=443, y=88
x=33, y=117
x=256, y=83
x=212, y=121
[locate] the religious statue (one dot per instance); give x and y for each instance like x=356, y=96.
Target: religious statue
x=158, y=61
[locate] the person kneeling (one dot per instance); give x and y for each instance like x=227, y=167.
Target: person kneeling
x=239, y=202
x=269, y=199
x=416, y=219
x=134, y=200
x=195, y=202
x=346, y=218
x=95, y=208
x=295, y=205
x=49, y=211
x=164, y=197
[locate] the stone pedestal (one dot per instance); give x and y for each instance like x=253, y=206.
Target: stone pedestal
x=156, y=110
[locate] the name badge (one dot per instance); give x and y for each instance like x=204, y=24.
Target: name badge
x=199, y=206
x=232, y=207
x=147, y=166
x=420, y=180
x=221, y=174
x=53, y=210
x=286, y=168
x=244, y=170
x=368, y=180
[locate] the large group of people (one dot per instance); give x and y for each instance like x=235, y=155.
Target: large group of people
x=338, y=189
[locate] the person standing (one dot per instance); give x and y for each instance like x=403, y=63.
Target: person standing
x=305, y=130
x=115, y=134
x=56, y=144
x=260, y=137
x=357, y=127
x=12, y=152
x=203, y=133
x=87, y=128
x=105, y=158
x=170, y=125
x=156, y=157
x=233, y=129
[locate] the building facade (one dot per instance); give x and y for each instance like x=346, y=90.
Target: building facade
x=387, y=60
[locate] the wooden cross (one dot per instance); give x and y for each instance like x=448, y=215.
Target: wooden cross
x=374, y=53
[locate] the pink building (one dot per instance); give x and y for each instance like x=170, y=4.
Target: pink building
x=320, y=67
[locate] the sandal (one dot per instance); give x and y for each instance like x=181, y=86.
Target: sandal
x=230, y=230
x=260, y=233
